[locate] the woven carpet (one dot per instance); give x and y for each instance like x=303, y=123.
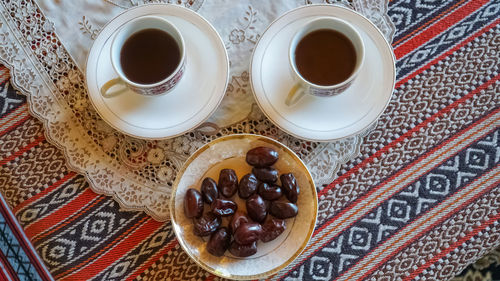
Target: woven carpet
x=420, y=202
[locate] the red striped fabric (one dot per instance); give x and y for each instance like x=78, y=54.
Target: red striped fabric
x=44, y=192
x=15, y=248
x=81, y=235
x=65, y=215
x=438, y=27
x=481, y=227
x=363, y=199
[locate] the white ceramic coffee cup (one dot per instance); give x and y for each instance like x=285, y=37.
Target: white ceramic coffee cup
x=121, y=36
x=302, y=85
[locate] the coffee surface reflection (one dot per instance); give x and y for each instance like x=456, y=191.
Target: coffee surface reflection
x=149, y=56
x=325, y=57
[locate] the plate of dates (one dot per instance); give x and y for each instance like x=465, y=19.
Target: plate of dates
x=244, y=206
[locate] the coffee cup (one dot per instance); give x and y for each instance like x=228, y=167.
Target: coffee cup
x=325, y=57
x=148, y=55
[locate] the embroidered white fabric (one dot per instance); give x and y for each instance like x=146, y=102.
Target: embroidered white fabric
x=45, y=45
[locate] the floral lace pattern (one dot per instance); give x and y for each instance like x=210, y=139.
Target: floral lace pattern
x=139, y=173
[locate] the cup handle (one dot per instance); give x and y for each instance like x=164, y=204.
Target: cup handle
x=295, y=94
x=111, y=83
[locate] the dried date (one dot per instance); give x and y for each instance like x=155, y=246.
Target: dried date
x=209, y=190
x=206, y=224
x=261, y=156
x=193, y=204
x=223, y=208
x=283, y=210
x=290, y=187
x=237, y=220
x=266, y=174
x=219, y=242
x=256, y=208
x=247, y=233
x=243, y=250
x=271, y=229
x=228, y=182
x=269, y=192
x=248, y=185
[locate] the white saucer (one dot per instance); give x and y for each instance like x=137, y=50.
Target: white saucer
x=316, y=118
x=189, y=104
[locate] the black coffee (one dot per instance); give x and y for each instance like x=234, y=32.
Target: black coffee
x=149, y=56
x=325, y=57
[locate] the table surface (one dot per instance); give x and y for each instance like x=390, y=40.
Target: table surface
x=426, y=220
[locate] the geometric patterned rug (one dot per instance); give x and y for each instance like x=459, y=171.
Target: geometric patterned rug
x=486, y=268
x=20, y=261
x=435, y=150
x=18, y=258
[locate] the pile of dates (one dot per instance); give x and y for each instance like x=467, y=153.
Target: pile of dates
x=263, y=196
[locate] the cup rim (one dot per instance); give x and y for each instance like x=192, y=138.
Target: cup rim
x=181, y=47
x=333, y=86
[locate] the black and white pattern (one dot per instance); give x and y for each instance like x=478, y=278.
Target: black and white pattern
x=407, y=205
x=9, y=99
x=409, y=15
x=428, y=51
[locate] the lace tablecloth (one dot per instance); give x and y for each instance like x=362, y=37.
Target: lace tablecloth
x=47, y=49
x=420, y=201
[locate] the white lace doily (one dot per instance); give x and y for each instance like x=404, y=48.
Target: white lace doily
x=45, y=45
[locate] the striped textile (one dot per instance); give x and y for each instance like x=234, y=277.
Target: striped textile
x=420, y=202
x=18, y=258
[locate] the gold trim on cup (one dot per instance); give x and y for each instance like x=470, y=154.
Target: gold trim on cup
x=154, y=89
x=304, y=86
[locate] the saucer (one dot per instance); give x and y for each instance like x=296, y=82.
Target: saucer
x=319, y=118
x=189, y=104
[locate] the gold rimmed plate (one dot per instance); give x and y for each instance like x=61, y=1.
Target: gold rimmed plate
x=271, y=257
